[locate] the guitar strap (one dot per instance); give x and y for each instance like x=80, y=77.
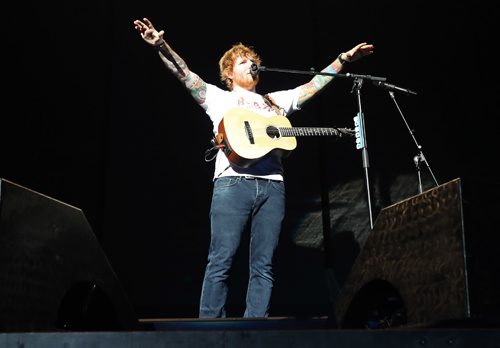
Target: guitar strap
x=272, y=103
x=217, y=144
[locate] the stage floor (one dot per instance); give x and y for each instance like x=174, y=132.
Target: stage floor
x=251, y=333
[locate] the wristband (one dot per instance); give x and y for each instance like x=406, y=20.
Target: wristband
x=158, y=47
x=342, y=61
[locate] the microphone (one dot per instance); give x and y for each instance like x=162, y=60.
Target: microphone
x=393, y=88
x=254, y=69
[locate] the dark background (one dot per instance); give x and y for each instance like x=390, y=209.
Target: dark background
x=92, y=118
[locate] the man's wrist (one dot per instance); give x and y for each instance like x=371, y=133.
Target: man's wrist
x=341, y=60
x=159, y=47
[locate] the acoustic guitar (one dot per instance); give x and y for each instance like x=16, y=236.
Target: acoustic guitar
x=245, y=136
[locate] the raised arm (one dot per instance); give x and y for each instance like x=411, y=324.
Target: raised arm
x=318, y=82
x=193, y=83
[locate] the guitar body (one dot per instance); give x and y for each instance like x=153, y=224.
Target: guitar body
x=247, y=136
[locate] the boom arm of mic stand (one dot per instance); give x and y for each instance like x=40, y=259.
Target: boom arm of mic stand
x=314, y=72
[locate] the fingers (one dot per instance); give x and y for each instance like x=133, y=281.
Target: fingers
x=148, y=22
x=140, y=26
x=364, y=48
x=360, y=50
x=367, y=49
x=146, y=28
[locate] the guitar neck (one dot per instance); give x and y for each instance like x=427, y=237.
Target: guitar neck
x=313, y=131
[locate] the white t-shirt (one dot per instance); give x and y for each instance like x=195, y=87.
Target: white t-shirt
x=218, y=102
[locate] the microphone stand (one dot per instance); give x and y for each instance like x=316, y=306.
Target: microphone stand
x=357, y=84
x=419, y=158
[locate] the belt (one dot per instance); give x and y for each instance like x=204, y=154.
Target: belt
x=247, y=177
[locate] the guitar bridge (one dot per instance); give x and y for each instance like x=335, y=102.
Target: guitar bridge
x=249, y=133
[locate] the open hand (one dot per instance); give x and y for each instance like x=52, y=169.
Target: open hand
x=148, y=32
x=359, y=51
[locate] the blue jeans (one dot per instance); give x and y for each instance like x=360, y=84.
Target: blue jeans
x=237, y=201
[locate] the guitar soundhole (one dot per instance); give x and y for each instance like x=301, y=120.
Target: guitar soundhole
x=273, y=132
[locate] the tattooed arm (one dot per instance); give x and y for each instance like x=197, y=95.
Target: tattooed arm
x=193, y=83
x=318, y=82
